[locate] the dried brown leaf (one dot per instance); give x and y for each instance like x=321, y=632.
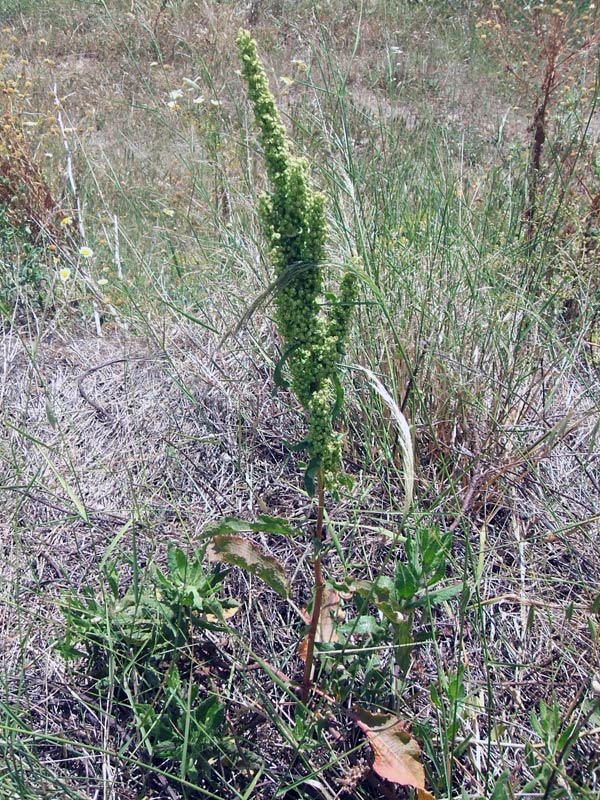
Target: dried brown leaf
x=326, y=629
x=397, y=754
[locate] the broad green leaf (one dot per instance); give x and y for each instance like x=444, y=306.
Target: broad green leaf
x=275, y=525
x=396, y=753
x=362, y=626
x=378, y=591
x=177, y=561
x=437, y=595
x=245, y=554
x=265, y=524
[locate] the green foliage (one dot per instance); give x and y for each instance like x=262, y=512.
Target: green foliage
x=293, y=219
x=557, y=739
x=143, y=646
x=23, y=271
x=414, y=587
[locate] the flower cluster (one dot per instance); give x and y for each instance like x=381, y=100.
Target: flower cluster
x=293, y=218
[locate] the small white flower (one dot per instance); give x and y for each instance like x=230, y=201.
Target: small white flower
x=86, y=252
x=102, y=282
x=64, y=274
x=197, y=101
x=175, y=94
x=168, y=212
x=216, y=103
x=172, y=104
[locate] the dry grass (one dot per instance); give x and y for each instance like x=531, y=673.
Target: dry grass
x=140, y=437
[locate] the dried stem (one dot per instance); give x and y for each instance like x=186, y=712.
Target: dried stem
x=538, y=130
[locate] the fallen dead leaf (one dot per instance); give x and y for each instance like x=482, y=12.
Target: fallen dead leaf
x=397, y=754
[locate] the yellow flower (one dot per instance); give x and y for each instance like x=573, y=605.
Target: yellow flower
x=86, y=252
x=66, y=221
x=64, y=274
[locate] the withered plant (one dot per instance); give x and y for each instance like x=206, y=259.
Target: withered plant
x=550, y=52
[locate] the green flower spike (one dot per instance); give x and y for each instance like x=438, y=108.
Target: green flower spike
x=293, y=220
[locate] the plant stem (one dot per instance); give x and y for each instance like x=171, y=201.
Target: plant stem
x=319, y=587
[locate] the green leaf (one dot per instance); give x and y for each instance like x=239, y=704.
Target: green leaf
x=245, y=554
x=362, y=626
x=309, y=476
x=339, y=397
x=297, y=447
x=500, y=791
x=437, y=596
x=177, y=561
x=275, y=525
x=406, y=582
x=265, y=524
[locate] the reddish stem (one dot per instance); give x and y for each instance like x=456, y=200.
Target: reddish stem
x=319, y=588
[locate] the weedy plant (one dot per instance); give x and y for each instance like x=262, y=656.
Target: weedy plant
x=293, y=218
x=143, y=651
x=314, y=327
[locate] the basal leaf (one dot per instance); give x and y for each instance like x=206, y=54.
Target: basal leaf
x=245, y=554
x=365, y=625
x=276, y=525
x=229, y=525
x=264, y=524
x=177, y=561
x=396, y=753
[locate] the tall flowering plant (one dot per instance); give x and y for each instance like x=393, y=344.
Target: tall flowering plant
x=293, y=219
